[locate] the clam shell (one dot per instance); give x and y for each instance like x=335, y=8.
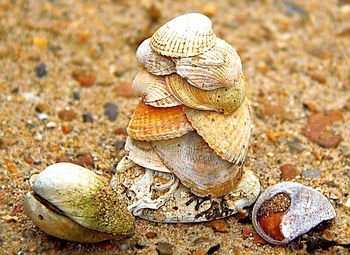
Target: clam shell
x=185, y=36
x=142, y=154
x=307, y=209
x=197, y=166
x=227, y=135
x=225, y=100
x=150, y=123
x=153, y=90
x=152, y=61
x=219, y=67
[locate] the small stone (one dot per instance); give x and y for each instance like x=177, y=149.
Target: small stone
x=274, y=110
x=119, y=145
x=151, y=235
x=111, y=111
x=63, y=159
x=76, y=95
x=42, y=116
x=124, y=90
x=345, y=32
x=29, y=160
x=85, y=159
x=40, y=108
x=288, y=172
x=123, y=247
x=105, y=245
x=310, y=106
x=11, y=167
x=347, y=203
x=85, y=79
x=66, y=129
x=38, y=137
x=66, y=115
x=311, y=174
x=213, y=249
x=141, y=246
x=272, y=136
x=120, y=131
x=87, y=117
x=40, y=42
x=295, y=145
x=155, y=12
x=218, y=225
x=41, y=70
x=165, y=248
x=209, y=10
x=318, y=77
x=6, y=142
x=51, y=124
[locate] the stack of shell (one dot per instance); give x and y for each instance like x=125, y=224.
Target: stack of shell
x=189, y=135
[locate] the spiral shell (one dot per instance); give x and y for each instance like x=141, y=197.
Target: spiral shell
x=185, y=36
x=219, y=67
x=152, y=61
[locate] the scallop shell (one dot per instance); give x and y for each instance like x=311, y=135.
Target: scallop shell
x=142, y=154
x=152, y=61
x=225, y=100
x=149, y=123
x=197, y=166
x=227, y=135
x=219, y=67
x=307, y=209
x=185, y=36
x=153, y=90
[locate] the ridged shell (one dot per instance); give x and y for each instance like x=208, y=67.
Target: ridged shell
x=150, y=123
x=142, y=154
x=227, y=135
x=153, y=90
x=225, y=100
x=152, y=61
x=197, y=166
x=185, y=36
x=219, y=67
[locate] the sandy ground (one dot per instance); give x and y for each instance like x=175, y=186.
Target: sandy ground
x=293, y=55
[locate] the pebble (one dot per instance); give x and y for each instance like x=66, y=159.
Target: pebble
x=87, y=117
x=29, y=160
x=40, y=108
x=63, y=159
x=218, y=225
x=6, y=142
x=151, y=235
x=85, y=79
x=124, y=90
x=123, y=247
x=51, y=124
x=120, y=131
x=209, y=10
x=295, y=145
x=165, y=248
x=40, y=42
x=119, y=145
x=288, y=172
x=41, y=70
x=213, y=249
x=42, y=116
x=76, y=95
x=347, y=203
x=85, y=159
x=66, y=129
x=38, y=137
x=111, y=111
x=66, y=115
x=274, y=110
x=312, y=173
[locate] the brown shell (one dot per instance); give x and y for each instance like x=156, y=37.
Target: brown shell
x=219, y=67
x=186, y=35
x=153, y=90
x=227, y=135
x=225, y=100
x=150, y=123
x=197, y=166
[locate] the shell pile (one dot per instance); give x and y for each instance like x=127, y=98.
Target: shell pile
x=189, y=135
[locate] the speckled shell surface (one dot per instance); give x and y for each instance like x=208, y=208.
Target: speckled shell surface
x=219, y=67
x=197, y=166
x=227, y=135
x=153, y=90
x=184, y=36
x=225, y=100
x=152, y=61
x=151, y=123
x=308, y=208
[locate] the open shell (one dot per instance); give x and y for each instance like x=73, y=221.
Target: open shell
x=152, y=61
x=185, y=36
x=219, y=67
x=142, y=154
x=197, y=166
x=150, y=123
x=227, y=135
x=153, y=90
x=225, y=100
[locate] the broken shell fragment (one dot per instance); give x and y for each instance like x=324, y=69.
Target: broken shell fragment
x=288, y=210
x=66, y=192
x=150, y=123
x=153, y=90
x=219, y=67
x=185, y=36
x=224, y=100
x=152, y=61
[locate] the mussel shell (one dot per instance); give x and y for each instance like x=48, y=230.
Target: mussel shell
x=150, y=123
x=184, y=36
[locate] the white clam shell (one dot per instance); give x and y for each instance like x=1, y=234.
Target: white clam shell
x=152, y=61
x=308, y=208
x=219, y=67
x=184, y=36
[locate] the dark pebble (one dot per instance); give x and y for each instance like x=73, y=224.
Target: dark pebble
x=141, y=246
x=119, y=145
x=213, y=249
x=41, y=70
x=76, y=95
x=295, y=145
x=15, y=90
x=111, y=111
x=312, y=173
x=165, y=249
x=87, y=117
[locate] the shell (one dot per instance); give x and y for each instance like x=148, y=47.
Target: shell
x=306, y=209
x=165, y=201
x=152, y=61
x=185, y=36
x=197, y=166
x=83, y=197
x=219, y=67
x=150, y=123
x=153, y=90
x=227, y=135
x=225, y=100
x=142, y=154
